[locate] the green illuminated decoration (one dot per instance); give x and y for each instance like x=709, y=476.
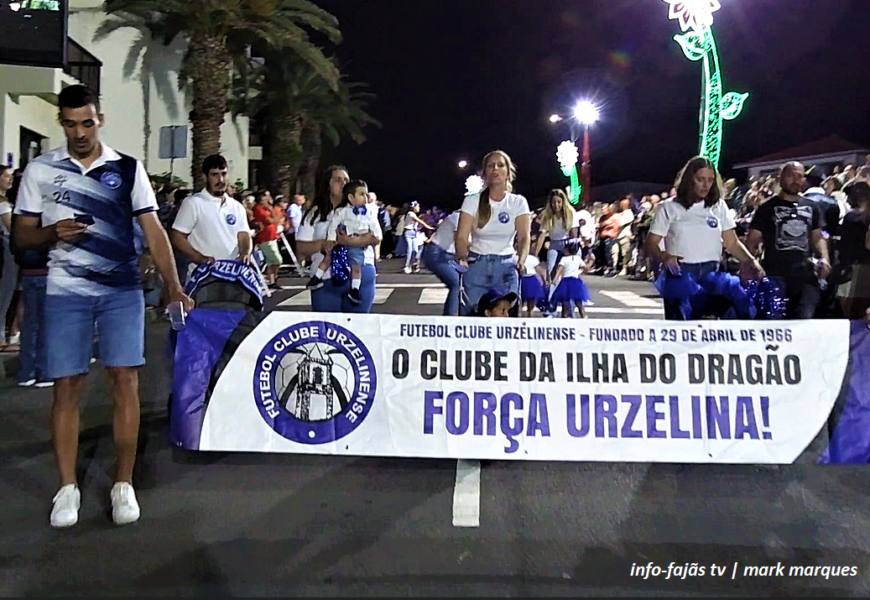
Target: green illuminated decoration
x=567, y=155
x=699, y=44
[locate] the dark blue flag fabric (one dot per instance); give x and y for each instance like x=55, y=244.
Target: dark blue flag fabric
x=232, y=271
x=205, y=343
x=850, y=421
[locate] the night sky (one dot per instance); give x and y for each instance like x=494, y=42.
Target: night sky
x=456, y=79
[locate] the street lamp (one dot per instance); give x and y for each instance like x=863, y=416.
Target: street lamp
x=555, y=118
x=462, y=164
x=587, y=114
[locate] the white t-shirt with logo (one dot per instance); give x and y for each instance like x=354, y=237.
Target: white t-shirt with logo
x=572, y=265
x=694, y=234
x=314, y=229
x=212, y=224
x=497, y=236
x=445, y=236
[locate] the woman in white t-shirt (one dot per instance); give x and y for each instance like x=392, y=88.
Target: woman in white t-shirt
x=695, y=226
x=311, y=243
x=559, y=223
x=493, y=219
x=438, y=254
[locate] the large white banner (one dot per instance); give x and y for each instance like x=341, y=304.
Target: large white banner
x=555, y=390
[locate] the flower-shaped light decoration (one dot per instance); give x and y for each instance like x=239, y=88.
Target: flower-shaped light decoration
x=474, y=185
x=693, y=14
x=699, y=44
x=567, y=155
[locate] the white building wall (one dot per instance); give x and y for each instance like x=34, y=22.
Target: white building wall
x=137, y=100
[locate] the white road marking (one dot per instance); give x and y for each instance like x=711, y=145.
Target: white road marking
x=433, y=296
x=296, y=288
x=466, y=494
x=304, y=298
x=594, y=310
x=381, y=295
x=632, y=299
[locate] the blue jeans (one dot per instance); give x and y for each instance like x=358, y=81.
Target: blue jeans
x=34, y=362
x=332, y=297
x=554, y=254
x=490, y=272
x=437, y=260
x=119, y=318
x=414, y=249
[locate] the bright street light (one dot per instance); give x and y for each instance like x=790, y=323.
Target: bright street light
x=555, y=118
x=586, y=113
x=462, y=164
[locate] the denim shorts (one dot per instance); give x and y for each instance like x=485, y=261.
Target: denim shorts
x=70, y=319
x=356, y=257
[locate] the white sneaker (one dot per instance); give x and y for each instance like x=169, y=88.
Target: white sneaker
x=67, y=502
x=27, y=383
x=44, y=384
x=125, y=509
x=407, y=270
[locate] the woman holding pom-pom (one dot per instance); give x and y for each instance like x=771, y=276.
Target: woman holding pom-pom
x=695, y=226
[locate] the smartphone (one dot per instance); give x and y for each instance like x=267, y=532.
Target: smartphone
x=85, y=219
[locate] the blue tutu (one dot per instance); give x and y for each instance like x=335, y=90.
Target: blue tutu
x=571, y=289
x=532, y=289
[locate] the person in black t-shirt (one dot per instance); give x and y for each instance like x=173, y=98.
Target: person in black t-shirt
x=788, y=226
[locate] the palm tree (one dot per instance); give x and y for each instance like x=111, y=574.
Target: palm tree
x=344, y=113
x=218, y=33
x=151, y=52
x=295, y=100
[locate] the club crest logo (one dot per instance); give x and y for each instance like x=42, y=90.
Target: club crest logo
x=111, y=180
x=503, y=218
x=231, y=219
x=712, y=222
x=314, y=383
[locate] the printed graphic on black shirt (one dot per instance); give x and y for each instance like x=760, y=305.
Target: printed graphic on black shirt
x=793, y=228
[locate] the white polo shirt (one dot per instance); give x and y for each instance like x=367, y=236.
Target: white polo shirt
x=694, y=234
x=212, y=224
x=497, y=236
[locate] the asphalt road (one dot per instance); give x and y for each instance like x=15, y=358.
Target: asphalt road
x=284, y=525
x=423, y=294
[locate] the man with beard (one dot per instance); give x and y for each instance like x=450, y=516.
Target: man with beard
x=210, y=224
x=789, y=227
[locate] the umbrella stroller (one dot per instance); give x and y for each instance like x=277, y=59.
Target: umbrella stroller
x=226, y=285
x=464, y=305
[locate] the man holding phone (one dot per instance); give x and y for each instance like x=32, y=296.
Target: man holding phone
x=80, y=201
